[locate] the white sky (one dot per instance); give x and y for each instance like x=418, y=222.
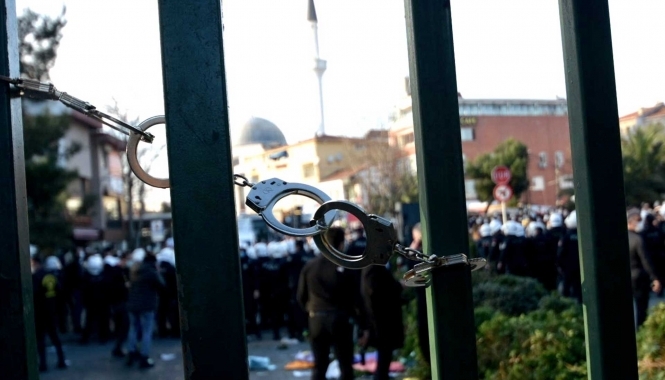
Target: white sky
x=503, y=49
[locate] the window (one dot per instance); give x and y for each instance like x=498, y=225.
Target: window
x=542, y=160
x=470, y=189
x=308, y=170
x=467, y=134
x=559, y=159
x=406, y=139
x=538, y=183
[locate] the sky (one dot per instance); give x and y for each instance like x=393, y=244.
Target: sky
x=110, y=51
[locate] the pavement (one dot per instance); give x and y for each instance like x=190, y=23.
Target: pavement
x=94, y=361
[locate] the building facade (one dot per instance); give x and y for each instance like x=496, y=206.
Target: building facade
x=542, y=125
x=643, y=117
x=94, y=199
x=326, y=162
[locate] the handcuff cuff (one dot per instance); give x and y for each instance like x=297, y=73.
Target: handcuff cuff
x=380, y=233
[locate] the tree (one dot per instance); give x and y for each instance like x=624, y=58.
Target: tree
x=644, y=164
x=135, y=189
x=386, y=177
x=511, y=153
x=46, y=178
x=39, y=39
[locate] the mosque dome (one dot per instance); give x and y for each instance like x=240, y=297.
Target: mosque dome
x=261, y=131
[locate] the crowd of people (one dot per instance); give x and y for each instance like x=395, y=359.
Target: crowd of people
x=545, y=246
x=106, y=295
x=288, y=287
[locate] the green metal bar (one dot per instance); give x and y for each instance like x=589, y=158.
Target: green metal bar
x=18, y=353
x=441, y=185
x=200, y=166
x=601, y=216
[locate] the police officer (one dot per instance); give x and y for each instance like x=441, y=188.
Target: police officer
x=568, y=260
x=495, y=246
x=295, y=261
x=250, y=288
x=45, y=286
x=95, y=300
x=512, y=258
x=484, y=244
x=274, y=288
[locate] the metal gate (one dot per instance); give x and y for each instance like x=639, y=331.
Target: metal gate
x=213, y=331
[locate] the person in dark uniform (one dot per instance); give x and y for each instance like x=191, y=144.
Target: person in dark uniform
x=512, y=259
x=382, y=296
x=484, y=244
x=45, y=287
x=542, y=259
x=95, y=300
x=568, y=260
x=642, y=272
x=250, y=288
x=274, y=289
x=116, y=290
x=654, y=244
x=294, y=264
x=331, y=296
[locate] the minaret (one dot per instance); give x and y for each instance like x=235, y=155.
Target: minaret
x=319, y=64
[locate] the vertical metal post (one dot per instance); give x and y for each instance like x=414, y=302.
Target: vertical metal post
x=441, y=185
x=599, y=195
x=18, y=354
x=204, y=222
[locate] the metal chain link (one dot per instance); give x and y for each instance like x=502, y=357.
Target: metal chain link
x=411, y=254
x=40, y=90
x=244, y=183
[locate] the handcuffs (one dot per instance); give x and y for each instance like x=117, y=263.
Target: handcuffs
x=264, y=195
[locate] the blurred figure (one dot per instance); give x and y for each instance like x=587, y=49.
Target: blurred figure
x=484, y=244
x=654, y=244
x=116, y=290
x=95, y=300
x=294, y=264
x=512, y=258
x=71, y=286
x=274, y=288
x=167, y=311
x=568, y=260
x=330, y=294
x=250, y=288
x=642, y=272
x=145, y=285
x=45, y=287
x=542, y=259
x=495, y=247
x=382, y=296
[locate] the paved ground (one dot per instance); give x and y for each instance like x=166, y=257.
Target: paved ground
x=94, y=362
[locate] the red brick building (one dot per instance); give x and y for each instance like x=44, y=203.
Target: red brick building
x=542, y=125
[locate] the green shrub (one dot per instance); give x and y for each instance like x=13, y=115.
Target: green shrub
x=510, y=295
x=540, y=345
x=651, y=345
x=416, y=363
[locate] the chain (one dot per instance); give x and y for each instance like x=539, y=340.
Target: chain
x=40, y=90
x=244, y=183
x=412, y=254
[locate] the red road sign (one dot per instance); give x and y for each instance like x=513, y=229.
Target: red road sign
x=503, y=193
x=501, y=175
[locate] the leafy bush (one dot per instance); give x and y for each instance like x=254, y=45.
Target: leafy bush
x=510, y=295
x=416, y=363
x=543, y=344
x=651, y=345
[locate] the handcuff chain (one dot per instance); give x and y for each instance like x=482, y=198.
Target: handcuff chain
x=40, y=90
x=244, y=183
x=412, y=254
